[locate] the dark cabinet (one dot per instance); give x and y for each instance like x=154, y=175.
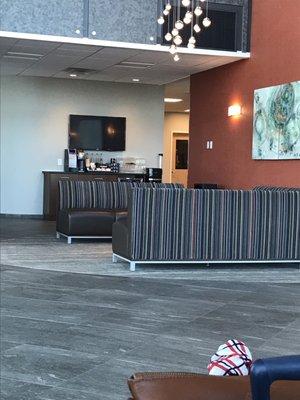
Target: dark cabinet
x=51, y=186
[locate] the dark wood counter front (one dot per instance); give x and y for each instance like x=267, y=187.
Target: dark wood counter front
x=51, y=179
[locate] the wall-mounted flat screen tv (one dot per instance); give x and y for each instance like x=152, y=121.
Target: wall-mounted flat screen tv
x=97, y=133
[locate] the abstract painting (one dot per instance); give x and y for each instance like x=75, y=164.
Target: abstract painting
x=276, y=122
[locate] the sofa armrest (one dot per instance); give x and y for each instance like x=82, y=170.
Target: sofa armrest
x=265, y=372
x=188, y=386
x=121, y=239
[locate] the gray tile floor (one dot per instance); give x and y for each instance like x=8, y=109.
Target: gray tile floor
x=76, y=336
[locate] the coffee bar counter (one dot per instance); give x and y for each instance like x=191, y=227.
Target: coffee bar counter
x=51, y=179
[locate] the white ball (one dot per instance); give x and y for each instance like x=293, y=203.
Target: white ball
x=173, y=49
x=179, y=24
x=206, y=22
x=161, y=20
x=168, y=37
x=178, y=40
x=186, y=3
x=197, y=28
x=198, y=11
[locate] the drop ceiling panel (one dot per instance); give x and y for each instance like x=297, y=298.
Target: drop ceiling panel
x=7, y=43
x=105, y=58
x=31, y=46
x=14, y=67
x=155, y=57
x=57, y=56
x=37, y=70
x=72, y=50
x=112, y=52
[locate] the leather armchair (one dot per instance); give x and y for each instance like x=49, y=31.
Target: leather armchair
x=265, y=372
x=188, y=386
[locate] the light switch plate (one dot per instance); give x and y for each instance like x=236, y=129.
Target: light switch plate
x=59, y=162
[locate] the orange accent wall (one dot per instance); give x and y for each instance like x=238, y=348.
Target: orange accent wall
x=275, y=59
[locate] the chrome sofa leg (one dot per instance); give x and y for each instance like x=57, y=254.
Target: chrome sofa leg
x=114, y=258
x=57, y=235
x=132, y=266
x=69, y=240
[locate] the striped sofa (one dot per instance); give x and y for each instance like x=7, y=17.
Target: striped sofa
x=186, y=225
x=88, y=209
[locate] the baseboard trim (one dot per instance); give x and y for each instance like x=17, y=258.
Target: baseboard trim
x=22, y=216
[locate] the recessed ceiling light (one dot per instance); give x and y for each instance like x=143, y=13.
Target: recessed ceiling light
x=172, y=100
x=135, y=80
x=187, y=110
x=73, y=75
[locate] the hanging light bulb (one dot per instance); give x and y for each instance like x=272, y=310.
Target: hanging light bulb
x=186, y=3
x=197, y=28
x=166, y=12
x=176, y=57
x=192, y=40
x=173, y=49
x=186, y=21
x=179, y=24
x=202, y=1
x=191, y=45
x=168, y=6
x=168, y=37
x=206, y=22
x=178, y=40
x=189, y=15
x=161, y=20
x=175, y=32
x=198, y=11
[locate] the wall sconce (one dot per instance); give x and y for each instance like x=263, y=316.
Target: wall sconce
x=235, y=110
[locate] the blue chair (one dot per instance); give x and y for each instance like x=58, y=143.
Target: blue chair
x=265, y=372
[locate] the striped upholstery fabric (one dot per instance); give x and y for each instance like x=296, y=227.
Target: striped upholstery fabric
x=276, y=189
x=156, y=185
x=100, y=194
x=186, y=224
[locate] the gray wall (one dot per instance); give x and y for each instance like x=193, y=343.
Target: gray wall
x=126, y=21
x=51, y=17
x=34, y=125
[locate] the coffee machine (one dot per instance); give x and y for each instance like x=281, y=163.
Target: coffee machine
x=153, y=175
x=80, y=161
x=70, y=160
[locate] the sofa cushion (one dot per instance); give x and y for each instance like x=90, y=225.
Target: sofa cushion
x=85, y=222
x=121, y=215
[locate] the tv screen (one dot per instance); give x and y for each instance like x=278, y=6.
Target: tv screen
x=97, y=133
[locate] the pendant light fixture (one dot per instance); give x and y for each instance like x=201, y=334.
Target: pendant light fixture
x=180, y=15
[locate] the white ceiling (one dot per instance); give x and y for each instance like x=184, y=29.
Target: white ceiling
x=181, y=90
x=45, y=56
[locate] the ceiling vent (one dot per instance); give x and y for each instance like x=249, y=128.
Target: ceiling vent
x=79, y=71
x=132, y=64
x=16, y=55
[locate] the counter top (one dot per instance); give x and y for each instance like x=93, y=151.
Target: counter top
x=94, y=173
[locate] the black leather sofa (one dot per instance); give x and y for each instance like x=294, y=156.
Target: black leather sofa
x=88, y=209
